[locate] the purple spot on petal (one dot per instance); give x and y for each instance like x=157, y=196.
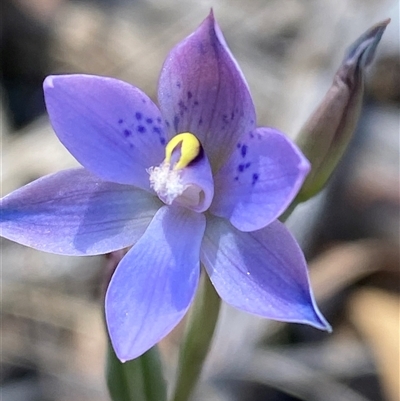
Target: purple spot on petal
x=127, y=132
x=241, y=167
x=162, y=140
x=196, y=103
x=182, y=107
x=141, y=129
x=176, y=123
x=178, y=84
x=138, y=116
x=149, y=120
x=247, y=165
x=239, y=145
x=189, y=95
x=251, y=135
x=159, y=120
x=157, y=130
x=200, y=121
x=255, y=178
x=236, y=178
x=232, y=115
x=120, y=121
x=225, y=118
x=244, y=150
x=143, y=100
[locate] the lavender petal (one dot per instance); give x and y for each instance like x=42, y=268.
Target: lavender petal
x=112, y=128
x=262, y=272
x=155, y=282
x=203, y=91
x=260, y=179
x=73, y=212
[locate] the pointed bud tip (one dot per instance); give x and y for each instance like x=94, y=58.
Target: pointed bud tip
x=328, y=131
x=362, y=51
x=383, y=24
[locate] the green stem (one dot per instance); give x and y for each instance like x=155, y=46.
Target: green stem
x=138, y=380
x=197, y=339
x=289, y=210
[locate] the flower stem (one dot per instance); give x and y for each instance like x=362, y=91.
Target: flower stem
x=138, y=380
x=197, y=339
x=289, y=210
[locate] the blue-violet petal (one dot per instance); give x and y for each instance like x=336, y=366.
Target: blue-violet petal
x=73, y=212
x=155, y=282
x=260, y=179
x=112, y=128
x=203, y=91
x=262, y=272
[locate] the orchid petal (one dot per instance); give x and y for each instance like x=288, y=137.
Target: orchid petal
x=155, y=282
x=75, y=213
x=203, y=91
x=260, y=179
x=112, y=128
x=262, y=272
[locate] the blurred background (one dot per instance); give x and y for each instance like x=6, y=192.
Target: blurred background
x=53, y=339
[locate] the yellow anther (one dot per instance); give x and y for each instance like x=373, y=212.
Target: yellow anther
x=190, y=149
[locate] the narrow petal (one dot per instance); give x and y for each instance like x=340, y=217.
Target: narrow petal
x=112, y=128
x=75, y=213
x=260, y=179
x=154, y=284
x=203, y=91
x=262, y=272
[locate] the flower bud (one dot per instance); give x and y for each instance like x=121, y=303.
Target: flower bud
x=326, y=134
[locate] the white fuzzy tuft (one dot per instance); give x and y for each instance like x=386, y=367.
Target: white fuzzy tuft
x=166, y=182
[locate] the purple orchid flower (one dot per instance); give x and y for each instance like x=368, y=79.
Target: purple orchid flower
x=194, y=180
